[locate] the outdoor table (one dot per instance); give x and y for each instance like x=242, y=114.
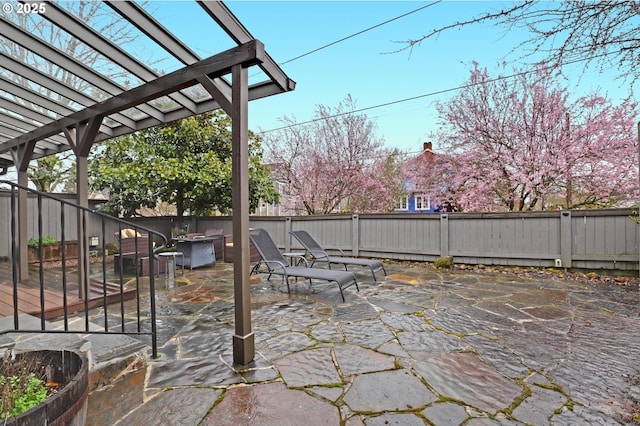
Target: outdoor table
x=173, y=255
x=198, y=251
x=292, y=256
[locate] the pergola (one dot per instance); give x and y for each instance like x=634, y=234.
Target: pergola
x=52, y=100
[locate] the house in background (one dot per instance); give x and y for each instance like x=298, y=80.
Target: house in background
x=415, y=201
x=288, y=202
x=280, y=209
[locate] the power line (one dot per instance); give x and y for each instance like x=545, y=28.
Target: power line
x=360, y=32
x=438, y=92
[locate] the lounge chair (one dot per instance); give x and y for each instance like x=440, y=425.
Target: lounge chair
x=318, y=254
x=275, y=263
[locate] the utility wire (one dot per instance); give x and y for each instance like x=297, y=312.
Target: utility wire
x=439, y=92
x=360, y=32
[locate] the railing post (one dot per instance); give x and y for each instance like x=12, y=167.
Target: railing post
x=444, y=234
x=565, y=239
x=355, y=235
x=152, y=298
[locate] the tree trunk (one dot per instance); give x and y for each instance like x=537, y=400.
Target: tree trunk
x=180, y=204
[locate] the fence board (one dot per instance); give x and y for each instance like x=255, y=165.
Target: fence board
x=593, y=239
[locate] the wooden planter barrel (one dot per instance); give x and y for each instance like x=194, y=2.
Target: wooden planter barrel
x=68, y=407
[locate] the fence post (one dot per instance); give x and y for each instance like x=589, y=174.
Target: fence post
x=355, y=235
x=444, y=235
x=287, y=235
x=565, y=239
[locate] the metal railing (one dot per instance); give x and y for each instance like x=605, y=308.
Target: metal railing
x=98, y=283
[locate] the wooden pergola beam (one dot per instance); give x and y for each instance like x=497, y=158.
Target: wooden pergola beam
x=218, y=65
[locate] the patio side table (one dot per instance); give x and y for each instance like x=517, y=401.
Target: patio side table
x=171, y=255
x=292, y=256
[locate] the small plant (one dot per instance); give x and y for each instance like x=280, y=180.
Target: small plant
x=35, y=242
x=111, y=248
x=20, y=394
x=444, y=262
x=21, y=386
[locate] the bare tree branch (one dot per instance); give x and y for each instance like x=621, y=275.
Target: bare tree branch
x=603, y=33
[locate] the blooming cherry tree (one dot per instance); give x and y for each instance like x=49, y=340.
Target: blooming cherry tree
x=334, y=164
x=518, y=144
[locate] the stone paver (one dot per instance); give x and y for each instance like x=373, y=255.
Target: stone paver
x=271, y=404
x=309, y=368
x=397, y=390
x=185, y=406
x=353, y=359
x=419, y=347
x=445, y=413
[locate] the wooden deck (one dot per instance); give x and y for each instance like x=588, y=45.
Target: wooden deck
x=29, y=300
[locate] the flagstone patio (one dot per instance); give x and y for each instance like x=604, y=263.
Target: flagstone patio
x=423, y=346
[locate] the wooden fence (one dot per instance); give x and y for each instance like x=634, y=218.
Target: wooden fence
x=585, y=239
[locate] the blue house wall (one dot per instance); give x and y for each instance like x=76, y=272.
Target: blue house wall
x=411, y=206
x=426, y=154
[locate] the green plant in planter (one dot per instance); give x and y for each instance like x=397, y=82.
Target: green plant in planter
x=111, y=248
x=47, y=239
x=20, y=394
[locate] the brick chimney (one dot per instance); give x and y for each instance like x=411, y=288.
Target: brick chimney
x=427, y=153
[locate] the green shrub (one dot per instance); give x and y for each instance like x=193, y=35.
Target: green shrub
x=47, y=239
x=111, y=248
x=444, y=262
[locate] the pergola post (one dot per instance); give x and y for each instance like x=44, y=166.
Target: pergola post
x=82, y=199
x=243, y=339
x=23, y=249
x=21, y=157
x=81, y=138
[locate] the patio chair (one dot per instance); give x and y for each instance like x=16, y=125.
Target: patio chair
x=318, y=254
x=218, y=243
x=275, y=263
x=134, y=254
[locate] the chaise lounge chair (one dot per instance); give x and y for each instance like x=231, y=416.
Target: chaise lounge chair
x=318, y=254
x=276, y=264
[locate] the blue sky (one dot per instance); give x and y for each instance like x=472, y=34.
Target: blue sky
x=363, y=65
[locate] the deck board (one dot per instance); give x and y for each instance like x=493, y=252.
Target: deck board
x=29, y=300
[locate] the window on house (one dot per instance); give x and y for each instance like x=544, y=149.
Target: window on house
x=403, y=203
x=422, y=203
